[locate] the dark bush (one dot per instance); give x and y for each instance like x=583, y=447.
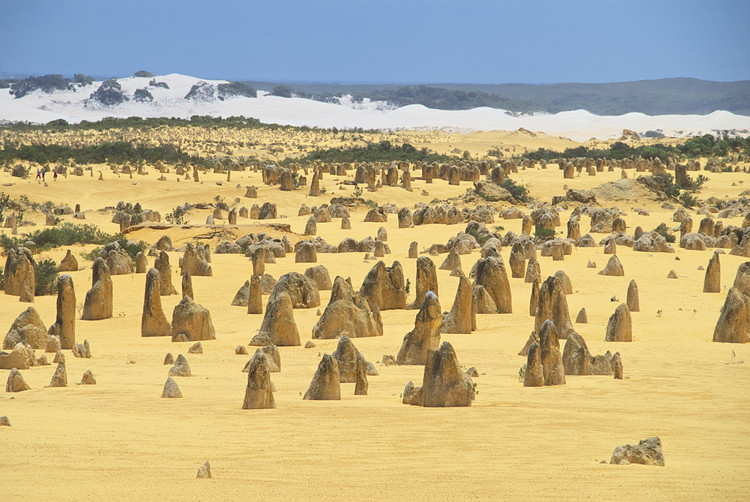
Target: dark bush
x=653, y=134
x=82, y=80
x=687, y=199
x=46, y=277
x=117, y=151
x=518, y=191
x=664, y=232
x=143, y=96
x=667, y=185
x=176, y=216
x=132, y=248
x=545, y=233
x=46, y=83
x=4, y=201
x=68, y=234
x=374, y=152
x=57, y=123
x=236, y=89
x=447, y=99
x=154, y=83
x=202, y=91
x=109, y=93
x=282, y=91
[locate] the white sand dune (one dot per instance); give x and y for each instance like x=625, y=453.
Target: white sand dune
x=578, y=125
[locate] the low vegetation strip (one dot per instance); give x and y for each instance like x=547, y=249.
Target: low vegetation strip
x=383, y=151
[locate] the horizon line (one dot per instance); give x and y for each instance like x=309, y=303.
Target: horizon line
x=22, y=75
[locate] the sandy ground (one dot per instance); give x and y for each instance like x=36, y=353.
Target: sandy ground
x=119, y=440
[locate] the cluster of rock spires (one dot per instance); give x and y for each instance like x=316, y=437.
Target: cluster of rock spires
x=196, y=260
x=546, y=365
x=28, y=333
x=292, y=290
x=345, y=365
x=348, y=313
x=352, y=314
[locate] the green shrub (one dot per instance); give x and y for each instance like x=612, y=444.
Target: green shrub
x=545, y=233
x=481, y=237
x=154, y=83
x=687, y=199
x=695, y=184
x=522, y=373
x=82, y=80
x=236, y=89
x=112, y=151
x=283, y=91
x=383, y=151
x=46, y=277
x=8, y=242
x=143, y=96
x=91, y=255
x=448, y=99
x=131, y=248
x=46, y=83
x=68, y=234
x=177, y=216
x=109, y=93
x=201, y=91
x=666, y=183
x=57, y=123
x=518, y=191
x=4, y=200
x=664, y=232
x=654, y=134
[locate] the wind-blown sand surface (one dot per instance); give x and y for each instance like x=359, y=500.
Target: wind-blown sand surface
x=119, y=440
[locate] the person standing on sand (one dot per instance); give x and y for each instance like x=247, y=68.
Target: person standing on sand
x=43, y=173
x=38, y=175
x=54, y=174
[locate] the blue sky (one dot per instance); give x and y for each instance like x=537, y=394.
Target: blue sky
x=383, y=41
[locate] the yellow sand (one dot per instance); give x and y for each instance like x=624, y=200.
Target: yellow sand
x=119, y=440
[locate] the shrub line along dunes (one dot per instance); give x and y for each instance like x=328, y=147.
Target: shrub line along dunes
x=155, y=268
x=55, y=99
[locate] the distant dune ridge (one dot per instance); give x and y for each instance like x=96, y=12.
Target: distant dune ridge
x=76, y=104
